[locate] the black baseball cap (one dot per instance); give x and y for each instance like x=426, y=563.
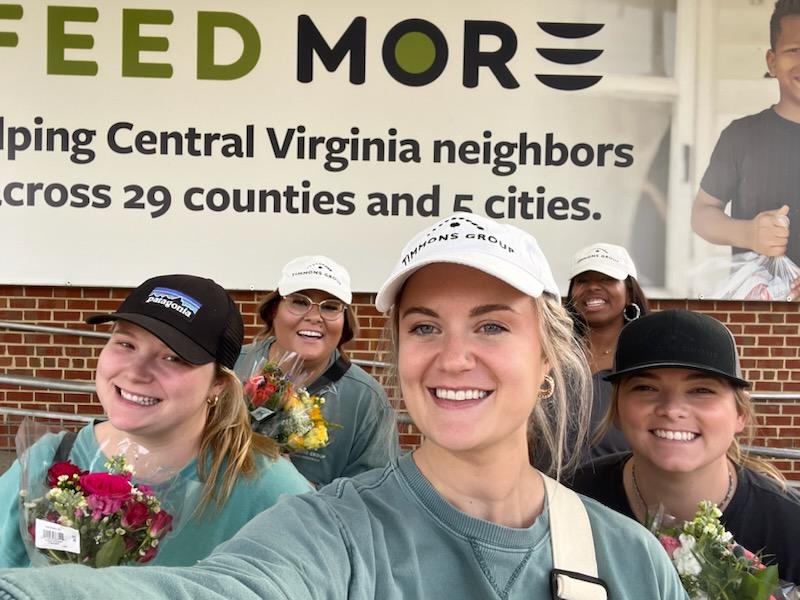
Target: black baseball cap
x=678, y=339
x=194, y=316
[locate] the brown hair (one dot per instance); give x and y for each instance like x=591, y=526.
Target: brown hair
x=269, y=306
x=228, y=445
x=635, y=295
x=744, y=406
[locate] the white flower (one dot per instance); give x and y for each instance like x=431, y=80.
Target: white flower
x=684, y=558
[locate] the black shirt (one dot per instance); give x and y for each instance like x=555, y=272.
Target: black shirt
x=754, y=166
x=761, y=516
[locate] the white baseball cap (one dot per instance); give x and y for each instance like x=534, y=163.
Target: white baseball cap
x=503, y=251
x=607, y=259
x=316, y=273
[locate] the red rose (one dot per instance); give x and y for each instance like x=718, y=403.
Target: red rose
x=161, y=524
x=106, y=485
x=62, y=468
x=147, y=555
x=135, y=515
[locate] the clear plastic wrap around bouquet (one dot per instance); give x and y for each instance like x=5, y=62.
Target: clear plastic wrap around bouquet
x=90, y=516
x=711, y=565
x=281, y=407
x=757, y=277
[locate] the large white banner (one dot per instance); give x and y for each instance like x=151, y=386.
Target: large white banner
x=225, y=138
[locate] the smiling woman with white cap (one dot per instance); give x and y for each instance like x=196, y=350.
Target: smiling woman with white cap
x=603, y=295
x=166, y=385
x=485, y=357
x=310, y=314
x=681, y=400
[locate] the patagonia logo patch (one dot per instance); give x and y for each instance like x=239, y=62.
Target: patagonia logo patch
x=174, y=300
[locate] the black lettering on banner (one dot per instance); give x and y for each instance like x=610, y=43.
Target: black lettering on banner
x=495, y=60
x=458, y=203
x=310, y=41
x=157, y=196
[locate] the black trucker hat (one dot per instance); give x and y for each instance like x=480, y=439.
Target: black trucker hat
x=680, y=339
x=192, y=315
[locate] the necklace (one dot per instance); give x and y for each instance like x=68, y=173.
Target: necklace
x=722, y=505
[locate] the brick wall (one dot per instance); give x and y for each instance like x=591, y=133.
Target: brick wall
x=767, y=333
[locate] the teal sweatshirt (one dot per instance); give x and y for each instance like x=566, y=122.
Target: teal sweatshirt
x=385, y=534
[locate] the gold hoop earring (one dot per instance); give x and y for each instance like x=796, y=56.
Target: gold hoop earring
x=547, y=389
x=212, y=402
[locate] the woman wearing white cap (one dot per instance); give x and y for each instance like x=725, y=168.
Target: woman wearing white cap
x=485, y=357
x=603, y=295
x=680, y=398
x=310, y=314
x=165, y=382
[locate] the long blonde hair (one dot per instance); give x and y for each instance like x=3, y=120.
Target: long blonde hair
x=558, y=425
x=228, y=446
x=744, y=406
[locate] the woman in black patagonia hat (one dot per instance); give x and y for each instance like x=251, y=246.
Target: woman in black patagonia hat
x=485, y=357
x=165, y=382
x=679, y=397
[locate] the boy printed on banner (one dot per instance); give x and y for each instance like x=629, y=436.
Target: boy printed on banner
x=754, y=168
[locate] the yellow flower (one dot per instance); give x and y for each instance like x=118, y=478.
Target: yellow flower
x=315, y=414
x=292, y=403
x=317, y=437
x=296, y=442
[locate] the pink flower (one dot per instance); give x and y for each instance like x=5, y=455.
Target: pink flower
x=145, y=489
x=135, y=515
x=161, y=524
x=669, y=543
x=102, y=506
x=62, y=468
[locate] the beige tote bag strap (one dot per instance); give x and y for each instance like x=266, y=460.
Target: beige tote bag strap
x=574, y=574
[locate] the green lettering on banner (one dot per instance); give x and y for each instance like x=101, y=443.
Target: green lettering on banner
x=58, y=40
x=133, y=44
x=11, y=12
x=207, y=23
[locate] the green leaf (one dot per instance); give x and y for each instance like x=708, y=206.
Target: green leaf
x=110, y=553
x=759, y=586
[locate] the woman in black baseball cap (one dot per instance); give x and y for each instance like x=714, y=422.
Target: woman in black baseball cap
x=680, y=399
x=166, y=383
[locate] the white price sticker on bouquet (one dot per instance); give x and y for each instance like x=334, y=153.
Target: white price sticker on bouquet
x=52, y=536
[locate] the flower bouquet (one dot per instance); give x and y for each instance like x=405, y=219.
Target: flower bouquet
x=281, y=408
x=96, y=519
x=711, y=565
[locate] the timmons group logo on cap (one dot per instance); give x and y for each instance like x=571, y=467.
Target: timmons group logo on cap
x=600, y=253
x=181, y=303
x=450, y=230
x=320, y=270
